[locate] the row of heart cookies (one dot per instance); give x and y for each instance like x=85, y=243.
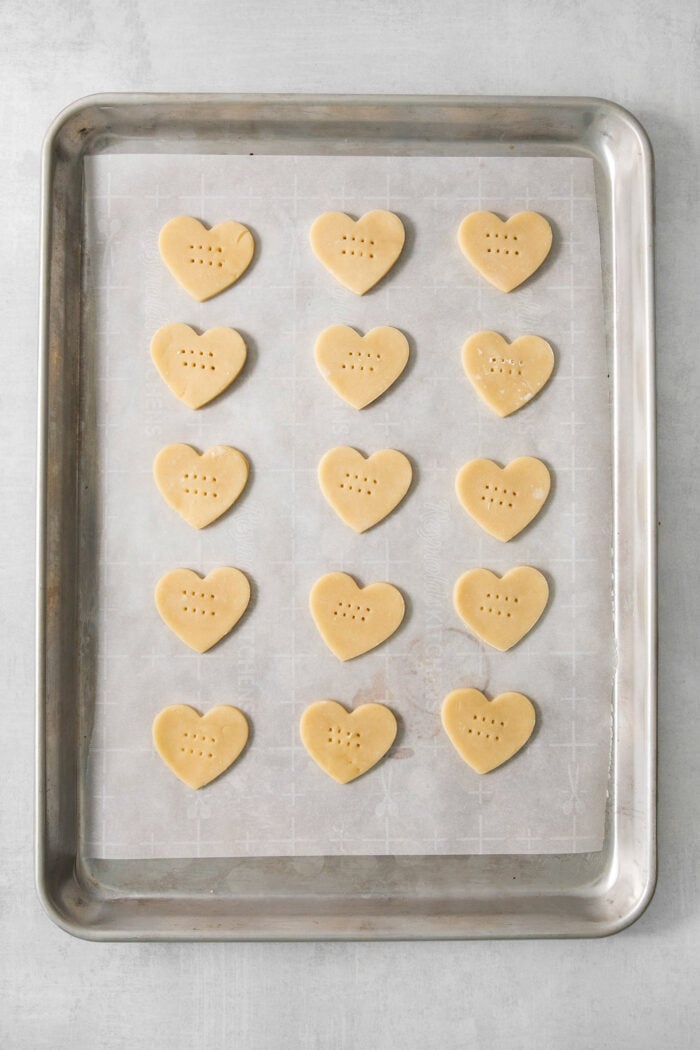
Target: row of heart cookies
x=358, y=253
x=359, y=368
x=361, y=490
x=344, y=744
x=365, y=490
x=352, y=620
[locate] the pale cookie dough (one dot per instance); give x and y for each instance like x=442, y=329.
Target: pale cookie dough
x=358, y=254
x=197, y=368
x=507, y=375
x=345, y=744
x=351, y=619
x=360, y=368
x=205, y=261
x=198, y=748
x=501, y=610
x=362, y=491
x=200, y=487
x=487, y=733
x=201, y=610
x=505, y=253
x=503, y=500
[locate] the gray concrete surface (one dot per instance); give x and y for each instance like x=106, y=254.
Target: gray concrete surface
x=638, y=989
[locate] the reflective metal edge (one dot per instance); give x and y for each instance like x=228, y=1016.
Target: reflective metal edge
x=134, y=900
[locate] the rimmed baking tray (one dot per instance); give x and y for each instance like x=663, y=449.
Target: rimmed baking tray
x=344, y=897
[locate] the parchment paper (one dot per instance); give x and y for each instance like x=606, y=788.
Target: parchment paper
x=422, y=798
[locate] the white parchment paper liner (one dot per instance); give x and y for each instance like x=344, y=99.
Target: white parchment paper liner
x=421, y=799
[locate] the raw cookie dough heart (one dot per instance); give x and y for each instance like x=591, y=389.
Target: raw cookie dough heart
x=197, y=367
x=198, y=748
x=503, y=500
x=345, y=744
x=363, y=491
x=361, y=368
x=205, y=261
x=505, y=253
x=201, y=610
x=358, y=254
x=487, y=733
x=507, y=375
x=200, y=487
x=501, y=610
x=351, y=619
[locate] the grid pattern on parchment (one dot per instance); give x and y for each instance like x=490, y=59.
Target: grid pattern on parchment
x=281, y=413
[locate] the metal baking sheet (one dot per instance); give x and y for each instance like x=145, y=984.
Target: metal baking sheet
x=338, y=897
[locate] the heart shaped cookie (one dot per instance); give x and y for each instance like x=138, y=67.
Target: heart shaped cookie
x=358, y=254
x=507, y=375
x=201, y=610
x=198, y=748
x=345, y=744
x=351, y=619
x=505, y=253
x=501, y=609
x=503, y=500
x=197, y=367
x=362, y=490
x=361, y=367
x=205, y=261
x=200, y=487
x=487, y=733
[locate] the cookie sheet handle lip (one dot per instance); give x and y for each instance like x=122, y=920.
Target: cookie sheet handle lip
x=624, y=160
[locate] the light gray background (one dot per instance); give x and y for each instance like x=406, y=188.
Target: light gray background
x=636, y=990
